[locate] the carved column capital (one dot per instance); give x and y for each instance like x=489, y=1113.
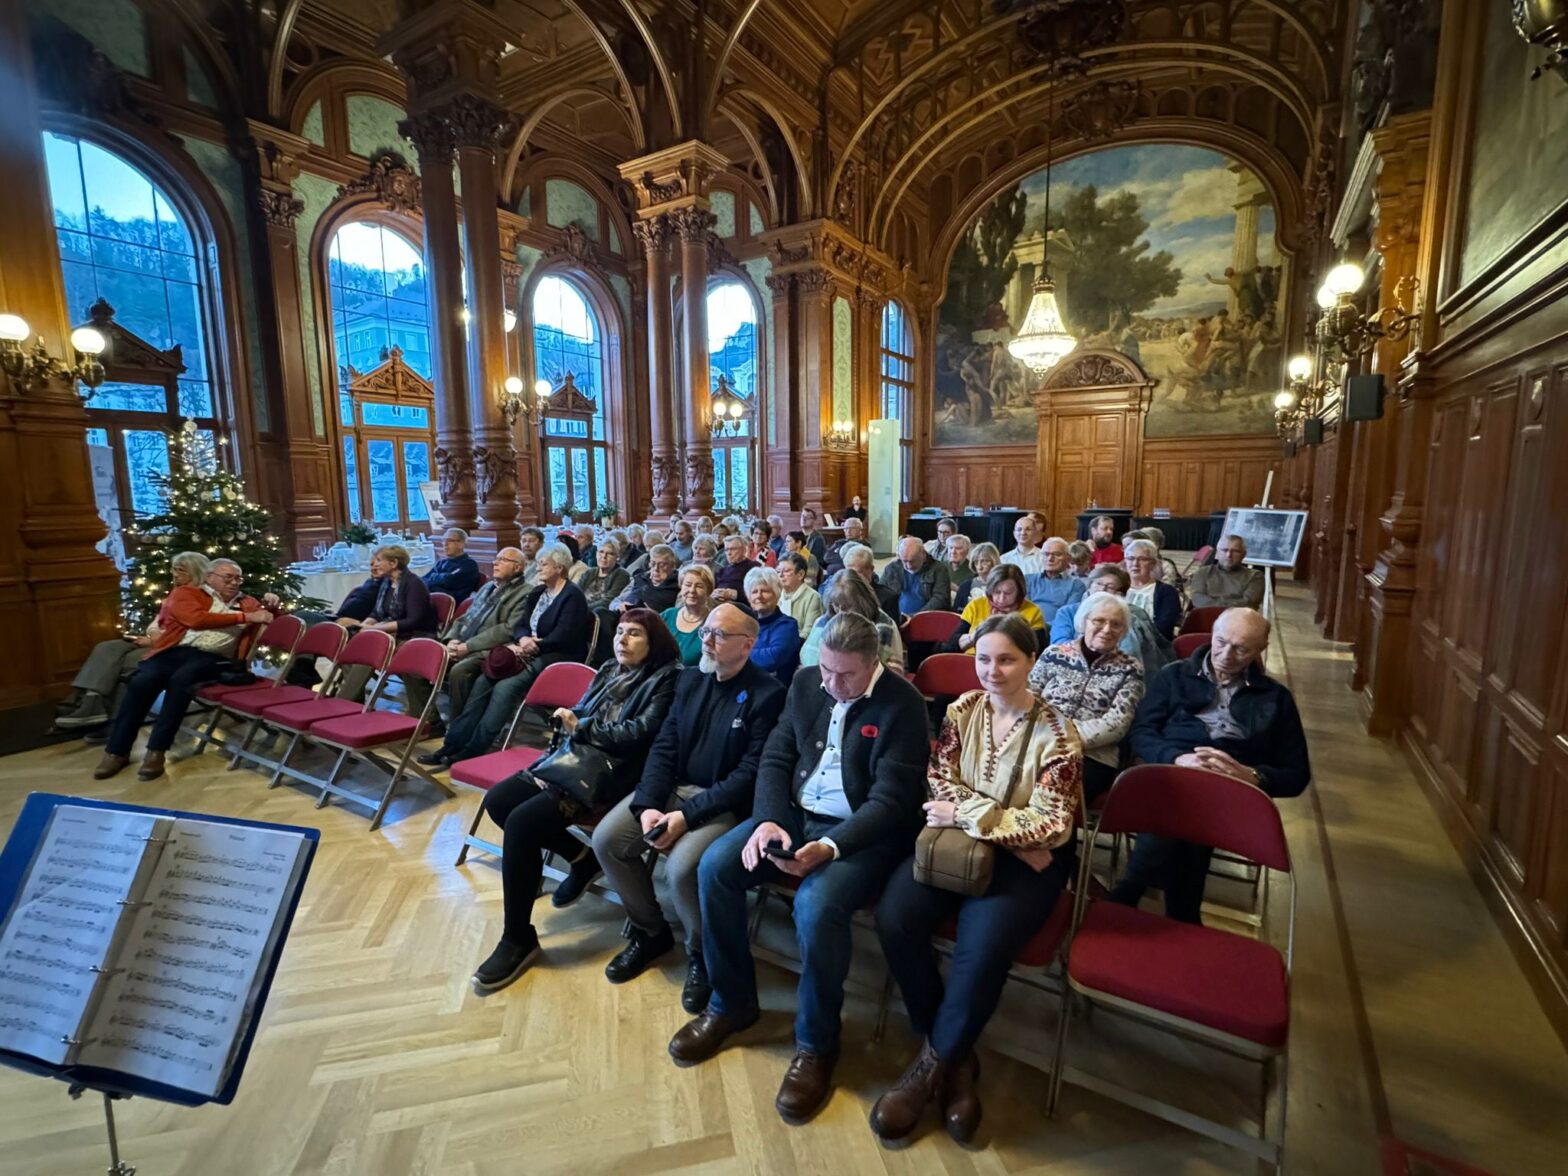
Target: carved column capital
x=477, y=122
x=816, y=283
x=391, y=181
x=280, y=208
x=780, y=284
x=694, y=225
x=431, y=135
x=654, y=234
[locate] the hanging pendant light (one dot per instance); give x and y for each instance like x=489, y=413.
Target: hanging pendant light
x=1044, y=340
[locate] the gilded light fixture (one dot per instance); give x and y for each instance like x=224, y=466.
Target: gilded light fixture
x=27, y=367
x=1044, y=340
x=1343, y=328
x=1545, y=23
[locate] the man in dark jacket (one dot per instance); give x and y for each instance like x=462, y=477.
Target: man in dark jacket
x=655, y=587
x=696, y=786
x=1220, y=711
x=457, y=574
x=838, y=807
x=488, y=622
x=920, y=581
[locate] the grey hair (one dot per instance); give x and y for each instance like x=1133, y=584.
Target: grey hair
x=223, y=559
x=763, y=576
x=194, y=564
x=1099, y=602
x=854, y=554
x=1143, y=546
x=456, y=533
x=984, y=549
x=1233, y=536
x=636, y=530
x=960, y=537
x=728, y=539
x=557, y=554
x=1156, y=536
x=851, y=633
x=662, y=551
x=707, y=539
x=610, y=543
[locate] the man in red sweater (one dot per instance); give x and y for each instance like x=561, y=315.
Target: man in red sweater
x=1102, y=532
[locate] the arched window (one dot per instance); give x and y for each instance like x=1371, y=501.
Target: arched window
x=568, y=342
x=376, y=286
x=898, y=386
x=122, y=240
x=732, y=361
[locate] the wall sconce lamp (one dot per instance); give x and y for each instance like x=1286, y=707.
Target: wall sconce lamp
x=29, y=367
x=514, y=405
x=1342, y=326
x=1545, y=23
x=509, y=321
x=842, y=433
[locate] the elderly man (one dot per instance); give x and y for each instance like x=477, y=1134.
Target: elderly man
x=956, y=557
x=838, y=807
x=1226, y=583
x=1054, y=587
x=1102, y=533
x=680, y=540
x=946, y=528
x=799, y=599
x=456, y=573
x=585, y=545
x=854, y=532
x=655, y=588
x=920, y=582
x=730, y=581
x=1026, y=555
x=776, y=534
x=859, y=560
x=1217, y=710
x=696, y=786
x=488, y=622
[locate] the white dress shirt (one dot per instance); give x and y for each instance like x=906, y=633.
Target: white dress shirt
x=1030, y=564
x=822, y=794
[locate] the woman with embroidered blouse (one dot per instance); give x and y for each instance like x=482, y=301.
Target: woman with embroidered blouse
x=1007, y=772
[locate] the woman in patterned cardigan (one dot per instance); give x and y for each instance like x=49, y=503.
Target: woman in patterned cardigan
x=1093, y=683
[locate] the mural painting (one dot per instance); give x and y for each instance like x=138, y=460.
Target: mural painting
x=1163, y=252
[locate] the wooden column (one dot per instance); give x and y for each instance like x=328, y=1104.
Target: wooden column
x=694, y=224
x=816, y=289
x=58, y=595
x=655, y=232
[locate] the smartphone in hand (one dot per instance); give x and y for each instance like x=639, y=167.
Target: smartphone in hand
x=775, y=849
x=658, y=831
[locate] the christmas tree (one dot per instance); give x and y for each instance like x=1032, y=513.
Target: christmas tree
x=205, y=510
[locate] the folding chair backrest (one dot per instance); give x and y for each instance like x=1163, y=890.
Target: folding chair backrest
x=936, y=626
x=368, y=647
x=1201, y=620
x=1201, y=556
x=468, y=603
x=421, y=656
x=561, y=684
x=947, y=675
x=282, y=634
x=1188, y=644
x=445, y=606
x=1190, y=804
x=323, y=640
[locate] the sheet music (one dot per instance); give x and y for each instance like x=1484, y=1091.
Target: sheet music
x=64, y=922
x=188, y=972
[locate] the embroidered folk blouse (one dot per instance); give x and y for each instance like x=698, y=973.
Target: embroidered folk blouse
x=965, y=769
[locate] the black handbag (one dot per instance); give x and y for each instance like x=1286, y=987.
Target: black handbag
x=578, y=771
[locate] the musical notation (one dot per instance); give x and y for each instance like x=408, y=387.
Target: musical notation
x=166, y=1028
x=189, y=920
x=245, y=865
x=220, y=944
x=63, y=987
x=185, y=875
x=79, y=883
x=189, y=1012
x=43, y=940
x=119, y=851
x=66, y=902
x=173, y=961
x=134, y=1045
x=162, y=980
x=212, y=900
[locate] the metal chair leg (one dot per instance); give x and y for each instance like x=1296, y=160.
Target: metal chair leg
x=332, y=778
x=462, y=854
x=1060, y=1060
x=277, y=772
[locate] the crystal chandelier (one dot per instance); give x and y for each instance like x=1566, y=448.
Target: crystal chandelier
x=1044, y=340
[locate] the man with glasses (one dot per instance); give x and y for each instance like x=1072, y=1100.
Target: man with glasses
x=1054, y=587
x=696, y=785
x=653, y=588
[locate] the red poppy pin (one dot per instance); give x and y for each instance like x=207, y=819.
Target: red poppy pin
x=869, y=731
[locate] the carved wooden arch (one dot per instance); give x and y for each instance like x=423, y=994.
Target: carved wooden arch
x=333, y=81
x=1097, y=369
x=543, y=106
x=287, y=15
x=655, y=55
x=803, y=183
x=710, y=100
x=550, y=165
x=767, y=194
x=393, y=382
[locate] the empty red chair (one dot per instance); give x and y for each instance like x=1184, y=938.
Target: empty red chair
x=281, y=636
x=1228, y=991
x=1201, y=620
x=934, y=627
x=1188, y=644
x=445, y=606
x=325, y=640
x=363, y=735
x=947, y=675
x=561, y=684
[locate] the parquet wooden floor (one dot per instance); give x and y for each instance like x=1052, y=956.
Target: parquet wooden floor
x=375, y=1056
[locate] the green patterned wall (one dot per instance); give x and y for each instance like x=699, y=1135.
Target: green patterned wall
x=623, y=295
x=317, y=194
x=198, y=86
x=372, y=127
x=116, y=28
x=843, y=360
x=754, y=218
x=568, y=203
x=759, y=268
x=311, y=129
x=223, y=172
x=722, y=205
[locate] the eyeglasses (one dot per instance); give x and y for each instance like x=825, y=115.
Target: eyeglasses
x=716, y=635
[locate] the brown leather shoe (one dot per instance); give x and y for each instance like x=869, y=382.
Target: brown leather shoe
x=152, y=766
x=701, y=1037
x=961, y=1100
x=110, y=765
x=806, y=1086
x=898, y=1111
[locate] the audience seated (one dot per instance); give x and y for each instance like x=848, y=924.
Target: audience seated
x=1169, y=572
x=983, y=559
x=776, y=534
x=456, y=574
x=202, y=624
x=849, y=593
x=1093, y=683
x=956, y=556
x=946, y=528
x=795, y=543
x=1004, y=595
x=585, y=544
x=1006, y=772
x=760, y=548
x=529, y=541
x=778, y=636
x=1142, y=641
x=839, y=791
x=635, y=547
x=402, y=607
x=685, y=618
x=619, y=716
x=680, y=539
x=1054, y=586
x=695, y=787
x=1227, y=582
x=654, y=588
x=1146, y=589
x=1217, y=710
x=1082, y=557
x=854, y=532
x=1026, y=556
x=799, y=599
x=605, y=579
x=919, y=580
x=855, y=510
x=859, y=561
x=730, y=580
x=1102, y=533
x=488, y=623
x=815, y=543
x=553, y=627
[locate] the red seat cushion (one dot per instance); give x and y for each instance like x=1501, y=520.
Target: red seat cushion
x=218, y=690
x=1226, y=982
x=366, y=730
x=486, y=771
x=255, y=699
x=300, y=716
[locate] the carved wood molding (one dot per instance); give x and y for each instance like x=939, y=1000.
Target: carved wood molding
x=391, y=181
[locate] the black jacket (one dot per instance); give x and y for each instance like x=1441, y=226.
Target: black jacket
x=886, y=747
x=626, y=740
x=1167, y=724
x=665, y=768
x=564, y=627
x=644, y=593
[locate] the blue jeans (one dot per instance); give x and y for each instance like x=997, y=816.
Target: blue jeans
x=489, y=708
x=828, y=897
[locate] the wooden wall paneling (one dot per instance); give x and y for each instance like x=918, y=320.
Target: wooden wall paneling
x=1196, y=475
x=1326, y=522
x=1548, y=891
x=960, y=476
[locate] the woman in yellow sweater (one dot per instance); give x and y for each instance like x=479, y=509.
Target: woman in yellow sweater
x=1006, y=593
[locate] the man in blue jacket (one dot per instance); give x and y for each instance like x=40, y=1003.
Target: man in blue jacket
x=1220, y=711
x=1056, y=587
x=457, y=574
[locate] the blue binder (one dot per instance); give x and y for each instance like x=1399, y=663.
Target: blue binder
x=17, y=856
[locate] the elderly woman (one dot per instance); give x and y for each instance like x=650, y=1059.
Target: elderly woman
x=705, y=551
x=553, y=627
x=1093, y=683
x=606, y=580
x=1147, y=590
x=761, y=550
x=635, y=548
x=1169, y=573
x=983, y=557
x=619, y=716
x=795, y=543
x=799, y=598
x=1141, y=641
x=692, y=605
x=1006, y=591
x=401, y=607
x=778, y=636
x=850, y=593
x=1006, y=773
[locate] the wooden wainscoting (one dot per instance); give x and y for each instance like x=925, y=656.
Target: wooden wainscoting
x=1194, y=475
x=978, y=475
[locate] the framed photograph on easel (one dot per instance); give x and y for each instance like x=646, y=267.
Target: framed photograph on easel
x=1273, y=536
x=431, y=493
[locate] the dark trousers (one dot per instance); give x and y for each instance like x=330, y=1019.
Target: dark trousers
x=176, y=674
x=1097, y=779
x=992, y=929
x=534, y=823
x=489, y=709
x=826, y=901
x=1179, y=868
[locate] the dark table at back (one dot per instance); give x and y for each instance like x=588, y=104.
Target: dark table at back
x=993, y=527
x=1182, y=532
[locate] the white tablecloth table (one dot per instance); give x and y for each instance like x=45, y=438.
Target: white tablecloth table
x=332, y=587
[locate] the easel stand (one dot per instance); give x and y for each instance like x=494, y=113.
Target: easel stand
x=117, y=1166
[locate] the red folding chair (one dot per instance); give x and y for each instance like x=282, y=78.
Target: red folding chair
x=281, y=636
x=1188, y=644
x=361, y=736
x=924, y=631
x=325, y=640
x=1221, y=989
x=368, y=647
x=946, y=675
x=1201, y=620
x=445, y=606
x=561, y=684
x=468, y=603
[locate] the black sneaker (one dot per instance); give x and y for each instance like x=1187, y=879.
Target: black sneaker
x=570, y=888
x=97, y=737
x=506, y=963
x=696, y=991
x=637, y=955
x=433, y=758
